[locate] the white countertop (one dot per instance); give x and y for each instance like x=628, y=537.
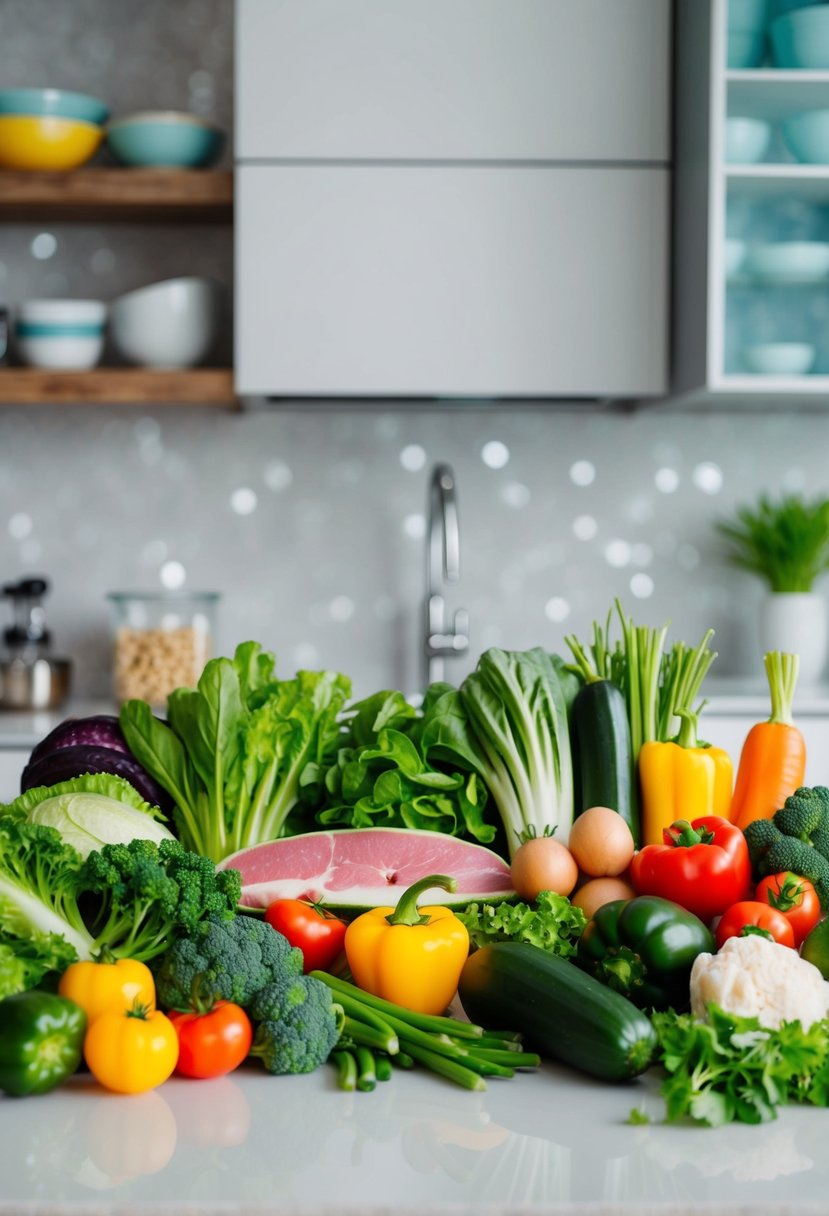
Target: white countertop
x=252, y=1143
x=725, y=698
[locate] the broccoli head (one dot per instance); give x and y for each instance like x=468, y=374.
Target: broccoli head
x=234, y=958
x=771, y=852
x=299, y=1027
x=805, y=814
x=146, y=894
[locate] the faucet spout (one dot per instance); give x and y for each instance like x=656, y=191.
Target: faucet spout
x=444, y=533
x=442, y=567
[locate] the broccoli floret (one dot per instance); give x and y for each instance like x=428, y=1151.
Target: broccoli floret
x=147, y=894
x=300, y=1025
x=235, y=959
x=805, y=814
x=772, y=852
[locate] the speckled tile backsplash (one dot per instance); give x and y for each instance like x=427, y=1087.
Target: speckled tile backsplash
x=311, y=523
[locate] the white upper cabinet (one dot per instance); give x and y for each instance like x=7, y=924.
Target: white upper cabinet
x=484, y=281
x=440, y=198
x=453, y=79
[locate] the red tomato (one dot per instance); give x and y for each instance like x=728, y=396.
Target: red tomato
x=213, y=1043
x=317, y=932
x=795, y=897
x=751, y=916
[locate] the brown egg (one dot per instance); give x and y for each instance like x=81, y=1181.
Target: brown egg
x=599, y=891
x=601, y=842
x=543, y=864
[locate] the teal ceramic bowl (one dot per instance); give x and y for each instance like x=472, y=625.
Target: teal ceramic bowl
x=748, y=14
x=746, y=48
x=57, y=103
x=807, y=136
x=800, y=39
x=165, y=139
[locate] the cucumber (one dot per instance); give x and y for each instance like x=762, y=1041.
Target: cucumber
x=561, y=1012
x=602, y=751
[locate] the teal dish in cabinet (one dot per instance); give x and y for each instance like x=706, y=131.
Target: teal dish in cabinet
x=807, y=135
x=165, y=139
x=55, y=103
x=800, y=39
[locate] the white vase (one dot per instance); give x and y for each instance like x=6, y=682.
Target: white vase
x=795, y=622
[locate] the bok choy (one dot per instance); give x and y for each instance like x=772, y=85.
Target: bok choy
x=508, y=723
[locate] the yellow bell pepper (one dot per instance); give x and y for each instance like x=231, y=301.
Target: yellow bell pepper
x=409, y=955
x=682, y=780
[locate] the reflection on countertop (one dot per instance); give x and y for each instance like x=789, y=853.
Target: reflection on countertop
x=254, y=1143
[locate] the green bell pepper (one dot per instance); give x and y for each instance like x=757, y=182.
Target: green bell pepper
x=41, y=1037
x=645, y=948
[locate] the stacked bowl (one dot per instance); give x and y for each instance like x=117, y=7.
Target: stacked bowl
x=747, y=20
x=60, y=335
x=49, y=128
x=800, y=37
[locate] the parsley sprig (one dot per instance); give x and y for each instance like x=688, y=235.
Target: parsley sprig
x=732, y=1068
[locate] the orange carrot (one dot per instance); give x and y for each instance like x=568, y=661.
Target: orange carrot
x=773, y=760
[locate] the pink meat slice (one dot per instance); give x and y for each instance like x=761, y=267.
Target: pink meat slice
x=365, y=867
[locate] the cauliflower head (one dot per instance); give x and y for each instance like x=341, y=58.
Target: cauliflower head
x=754, y=977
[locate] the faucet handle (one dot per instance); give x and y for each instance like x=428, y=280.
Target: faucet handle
x=460, y=631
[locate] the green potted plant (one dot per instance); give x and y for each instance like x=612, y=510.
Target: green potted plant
x=786, y=544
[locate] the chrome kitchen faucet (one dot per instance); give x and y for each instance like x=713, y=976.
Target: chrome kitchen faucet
x=443, y=565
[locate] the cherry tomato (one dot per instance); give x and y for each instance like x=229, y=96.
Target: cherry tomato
x=795, y=897
x=212, y=1043
x=750, y=916
x=317, y=932
x=131, y=1050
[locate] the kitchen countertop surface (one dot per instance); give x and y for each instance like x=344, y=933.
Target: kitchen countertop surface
x=724, y=697
x=541, y=1142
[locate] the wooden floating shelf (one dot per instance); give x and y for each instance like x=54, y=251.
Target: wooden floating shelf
x=209, y=386
x=205, y=195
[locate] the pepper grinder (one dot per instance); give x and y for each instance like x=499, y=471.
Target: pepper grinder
x=30, y=677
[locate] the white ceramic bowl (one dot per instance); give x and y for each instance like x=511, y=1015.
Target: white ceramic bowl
x=60, y=335
x=746, y=140
x=166, y=325
x=779, y=358
x=790, y=261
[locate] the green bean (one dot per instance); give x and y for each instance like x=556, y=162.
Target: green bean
x=346, y=1067
x=366, y=1075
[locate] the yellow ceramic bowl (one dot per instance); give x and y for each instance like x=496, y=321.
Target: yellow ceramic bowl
x=41, y=141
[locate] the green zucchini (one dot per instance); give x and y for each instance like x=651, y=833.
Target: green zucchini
x=561, y=1012
x=602, y=751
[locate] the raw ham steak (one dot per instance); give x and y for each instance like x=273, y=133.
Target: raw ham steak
x=366, y=868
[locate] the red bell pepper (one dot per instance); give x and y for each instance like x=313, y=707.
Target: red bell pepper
x=703, y=865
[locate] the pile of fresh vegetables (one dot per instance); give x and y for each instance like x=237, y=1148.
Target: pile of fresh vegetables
x=618, y=902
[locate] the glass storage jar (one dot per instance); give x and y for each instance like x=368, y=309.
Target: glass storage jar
x=162, y=642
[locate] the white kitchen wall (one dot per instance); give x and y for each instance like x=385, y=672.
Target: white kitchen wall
x=310, y=522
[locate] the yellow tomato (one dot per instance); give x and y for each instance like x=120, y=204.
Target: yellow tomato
x=97, y=987
x=131, y=1050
